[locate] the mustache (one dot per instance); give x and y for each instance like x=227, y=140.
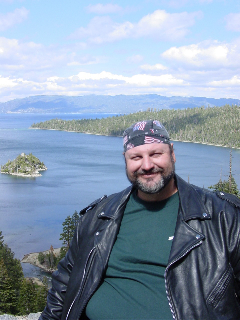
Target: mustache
x=142, y=171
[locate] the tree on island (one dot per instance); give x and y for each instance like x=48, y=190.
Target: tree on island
x=24, y=165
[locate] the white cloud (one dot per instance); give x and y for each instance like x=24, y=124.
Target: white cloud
x=11, y=18
x=156, y=67
x=17, y=57
x=169, y=84
x=6, y=82
x=87, y=83
x=233, y=82
x=158, y=25
x=233, y=22
x=23, y=55
x=104, y=8
x=138, y=79
x=207, y=54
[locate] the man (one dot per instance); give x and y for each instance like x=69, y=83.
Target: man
x=160, y=249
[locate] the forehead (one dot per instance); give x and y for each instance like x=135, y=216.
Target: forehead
x=148, y=148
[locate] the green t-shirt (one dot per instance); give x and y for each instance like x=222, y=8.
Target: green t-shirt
x=134, y=285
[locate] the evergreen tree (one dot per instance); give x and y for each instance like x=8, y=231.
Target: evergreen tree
x=69, y=226
x=17, y=294
x=75, y=218
x=8, y=298
x=67, y=234
x=229, y=186
x=27, y=297
x=13, y=266
x=1, y=239
x=63, y=251
x=41, y=297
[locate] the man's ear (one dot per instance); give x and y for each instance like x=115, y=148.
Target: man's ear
x=173, y=154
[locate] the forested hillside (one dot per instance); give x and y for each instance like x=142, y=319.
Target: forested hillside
x=211, y=125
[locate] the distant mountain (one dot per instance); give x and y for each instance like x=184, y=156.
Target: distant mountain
x=109, y=104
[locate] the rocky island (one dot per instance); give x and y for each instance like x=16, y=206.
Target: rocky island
x=24, y=165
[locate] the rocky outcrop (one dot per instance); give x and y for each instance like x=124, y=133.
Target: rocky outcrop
x=31, y=316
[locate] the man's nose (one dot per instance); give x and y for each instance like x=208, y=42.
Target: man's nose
x=147, y=163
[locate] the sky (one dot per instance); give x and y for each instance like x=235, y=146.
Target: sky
x=165, y=47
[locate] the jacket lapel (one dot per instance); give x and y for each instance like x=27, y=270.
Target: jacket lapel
x=188, y=232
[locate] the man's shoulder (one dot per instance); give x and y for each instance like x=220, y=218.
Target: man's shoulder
x=104, y=200
x=208, y=197
x=219, y=196
x=230, y=198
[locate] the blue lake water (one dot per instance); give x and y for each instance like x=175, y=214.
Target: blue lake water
x=81, y=168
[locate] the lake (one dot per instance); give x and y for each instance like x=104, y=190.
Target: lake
x=81, y=168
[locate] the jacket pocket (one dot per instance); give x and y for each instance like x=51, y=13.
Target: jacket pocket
x=221, y=287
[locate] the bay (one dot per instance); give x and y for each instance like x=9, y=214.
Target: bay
x=81, y=168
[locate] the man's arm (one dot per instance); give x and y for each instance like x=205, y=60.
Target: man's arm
x=60, y=279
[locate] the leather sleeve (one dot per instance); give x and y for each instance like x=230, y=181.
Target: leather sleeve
x=60, y=278
x=233, y=210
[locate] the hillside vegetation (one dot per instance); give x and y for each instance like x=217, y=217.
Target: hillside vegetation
x=211, y=125
x=18, y=295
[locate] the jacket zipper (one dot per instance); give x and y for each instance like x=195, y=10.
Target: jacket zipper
x=165, y=276
x=82, y=282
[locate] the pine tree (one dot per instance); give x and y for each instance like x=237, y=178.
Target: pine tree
x=69, y=226
x=228, y=186
x=67, y=233
x=75, y=218
x=27, y=297
x=8, y=298
x=1, y=239
x=41, y=297
x=17, y=294
x=13, y=266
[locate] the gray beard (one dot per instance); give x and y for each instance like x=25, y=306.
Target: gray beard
x=157, y=187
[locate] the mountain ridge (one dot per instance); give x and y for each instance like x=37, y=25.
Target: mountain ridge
x=109, y=104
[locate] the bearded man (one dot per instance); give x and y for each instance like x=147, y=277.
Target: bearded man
x=160, y=249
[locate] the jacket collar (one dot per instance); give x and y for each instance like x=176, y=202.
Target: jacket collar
x=192, y=206
x=116, y=204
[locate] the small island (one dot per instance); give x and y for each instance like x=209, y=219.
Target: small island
x=24, y=165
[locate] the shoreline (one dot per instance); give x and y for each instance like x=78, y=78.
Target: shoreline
x=24, y=175
x=206, y=143
x=107, y=135
x=32, y=258
x=33, y=175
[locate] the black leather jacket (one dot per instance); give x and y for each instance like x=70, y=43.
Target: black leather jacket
x=203, y=272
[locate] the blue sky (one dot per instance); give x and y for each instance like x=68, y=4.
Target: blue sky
x=166, y=47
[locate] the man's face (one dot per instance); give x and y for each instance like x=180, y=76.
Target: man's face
x=150, y=167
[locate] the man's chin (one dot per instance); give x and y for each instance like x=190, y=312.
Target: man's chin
x=148, y=187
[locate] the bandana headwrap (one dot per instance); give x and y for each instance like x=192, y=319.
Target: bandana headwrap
x=145, y=132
